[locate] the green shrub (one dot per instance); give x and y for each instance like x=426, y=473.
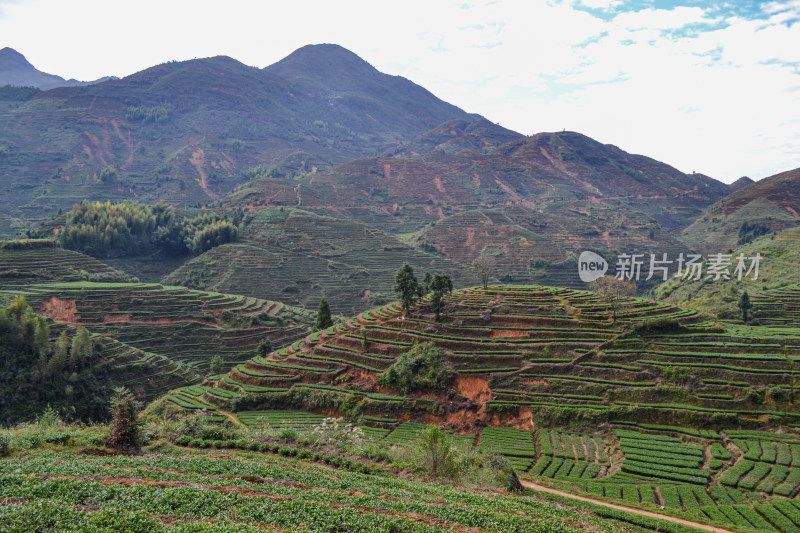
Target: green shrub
x=5, y=444
x=422, y=368
x=436, y=453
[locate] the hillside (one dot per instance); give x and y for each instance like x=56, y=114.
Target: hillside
x=515, y=349
x=658, y=409
x=777, y=270
x=187, y=132
x=23, y=262
x=298, y=257
x=768, y=205
x=546, y=170
x=534, y=203
x=180, y=327
x=149, y=337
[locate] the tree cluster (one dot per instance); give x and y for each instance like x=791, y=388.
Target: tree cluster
x=409, y=289
x=130, y=228
x=44, y=370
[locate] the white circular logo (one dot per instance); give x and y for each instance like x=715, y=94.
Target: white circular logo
x=591, y=266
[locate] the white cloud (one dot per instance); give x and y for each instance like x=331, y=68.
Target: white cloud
x=698, y=88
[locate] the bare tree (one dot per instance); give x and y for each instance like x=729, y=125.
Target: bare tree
x=484, y=266
x=614, y=291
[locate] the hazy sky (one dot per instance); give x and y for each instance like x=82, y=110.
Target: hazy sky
x=711, y=87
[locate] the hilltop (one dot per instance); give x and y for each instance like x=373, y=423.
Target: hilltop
x=523, y=356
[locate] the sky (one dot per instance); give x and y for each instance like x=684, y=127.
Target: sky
x=711, y=87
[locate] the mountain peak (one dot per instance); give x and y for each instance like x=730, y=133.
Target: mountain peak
x=324, y=60
x=10, y=59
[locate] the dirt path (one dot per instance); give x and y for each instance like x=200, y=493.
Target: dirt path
x=640, y=512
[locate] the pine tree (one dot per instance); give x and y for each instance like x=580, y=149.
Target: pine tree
x=60, y=354
x=124, y=435
x=406, y=286
x=81, y=347
x=324, y=319
x=745, y=305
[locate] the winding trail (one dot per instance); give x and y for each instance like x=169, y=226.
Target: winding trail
x=667, y=518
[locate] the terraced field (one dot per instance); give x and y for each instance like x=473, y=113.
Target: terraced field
x=159, y=337
x=35, y=261
x=530, y=348
x=297, y=257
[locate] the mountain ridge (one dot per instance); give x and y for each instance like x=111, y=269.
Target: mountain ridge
x=17, y=71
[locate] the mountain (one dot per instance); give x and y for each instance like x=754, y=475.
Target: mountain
x=16, y=71
x=768, y=205
x=532, y=202
x=453, y=136
x=547, y=169
x=187, y=132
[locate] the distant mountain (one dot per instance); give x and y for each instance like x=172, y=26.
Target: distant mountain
x=532, y=202
x=768, y=205
x=187, y=132
x=16, y=71
x=547, y=170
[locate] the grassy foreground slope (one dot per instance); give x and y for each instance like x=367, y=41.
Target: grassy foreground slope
x=248, y=492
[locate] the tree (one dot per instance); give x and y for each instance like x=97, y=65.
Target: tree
x=484, y=266
x=406, y=286
x=613, y=290
x=217, y=365
x=439, y=459
x=124, y=435
x=441, y=285
x=324, y=320
x=81, y=347
x=42, y=336
x=264, y=347
x=745, y=305
x=425, y=287
x=60, y=354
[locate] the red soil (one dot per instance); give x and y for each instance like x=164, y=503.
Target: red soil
x=61, y=310
x=473, y=388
